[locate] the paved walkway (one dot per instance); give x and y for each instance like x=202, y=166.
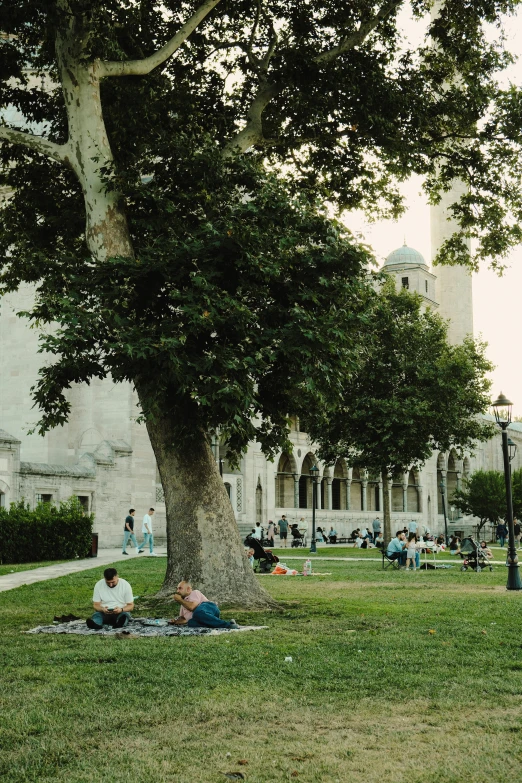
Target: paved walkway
x=105, y=557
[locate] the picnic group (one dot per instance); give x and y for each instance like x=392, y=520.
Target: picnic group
x=113, y=599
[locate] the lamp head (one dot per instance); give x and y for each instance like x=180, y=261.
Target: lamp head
x=314, y=472
x=502, y=408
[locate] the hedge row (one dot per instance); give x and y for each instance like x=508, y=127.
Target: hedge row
x=48, y=532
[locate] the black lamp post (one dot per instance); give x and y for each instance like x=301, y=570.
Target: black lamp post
x=443, y=495
x=502, y=408
x=314, y=472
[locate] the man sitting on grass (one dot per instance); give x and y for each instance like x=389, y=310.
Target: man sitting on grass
x=196, y=611
x=112, y=600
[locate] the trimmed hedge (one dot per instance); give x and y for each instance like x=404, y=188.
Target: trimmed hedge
x=48, y=532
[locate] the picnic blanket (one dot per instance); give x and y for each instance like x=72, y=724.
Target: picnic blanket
x=139, y=626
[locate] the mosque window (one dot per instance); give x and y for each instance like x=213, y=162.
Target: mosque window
x=405, y=282
x=40, y=498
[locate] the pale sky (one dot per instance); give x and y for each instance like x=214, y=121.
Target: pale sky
x=497, y=306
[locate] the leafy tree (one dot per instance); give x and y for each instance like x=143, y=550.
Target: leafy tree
x=415, y=394
x=484, y=496
x=153, y=244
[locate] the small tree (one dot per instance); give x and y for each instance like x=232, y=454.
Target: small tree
x=415, y=394
x=484, y=496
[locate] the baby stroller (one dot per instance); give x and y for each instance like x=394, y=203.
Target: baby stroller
x=264, y=560
x=298, y=538
x=474, y=557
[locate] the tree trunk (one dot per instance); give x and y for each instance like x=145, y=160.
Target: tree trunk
x=203, y=542
x=387, y=532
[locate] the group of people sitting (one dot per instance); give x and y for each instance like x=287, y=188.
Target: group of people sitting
x=407, y=546
x=113, y=602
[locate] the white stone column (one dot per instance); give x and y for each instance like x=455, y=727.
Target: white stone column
x=329, y=482
x=318, y=493
x=364, y=503
x=381, y=498
x=296, y=490
x=348, y=494
x=404, y=497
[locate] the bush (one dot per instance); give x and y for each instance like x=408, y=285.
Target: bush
x=48, y=533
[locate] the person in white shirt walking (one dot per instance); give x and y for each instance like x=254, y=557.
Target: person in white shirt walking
x=146, y=529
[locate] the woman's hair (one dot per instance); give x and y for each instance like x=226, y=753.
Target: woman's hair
x=412, y=536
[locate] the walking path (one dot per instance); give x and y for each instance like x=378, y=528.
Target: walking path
x=105, y=558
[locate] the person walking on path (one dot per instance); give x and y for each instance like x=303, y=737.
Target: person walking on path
x=146, y=529
x=112, y=600
x=376, y=527
x=128, y=532
x=283, y=530
x=501, y=533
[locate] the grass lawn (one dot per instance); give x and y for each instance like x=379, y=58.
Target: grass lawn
x=399, y=677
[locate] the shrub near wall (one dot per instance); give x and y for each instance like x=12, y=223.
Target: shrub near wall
x=48, y=532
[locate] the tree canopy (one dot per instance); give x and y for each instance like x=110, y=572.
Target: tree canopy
x=415, y=393
x=484, y=496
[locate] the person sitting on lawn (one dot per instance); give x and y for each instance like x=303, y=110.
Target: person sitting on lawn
x=379, y=541
x=112, y=600
x=196, y=611
x=396, y=548
x=486, y=550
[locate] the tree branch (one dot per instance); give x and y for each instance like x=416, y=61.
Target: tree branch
x=360, y=35
x=142, y=67
x=58, y=152
x=253, y=132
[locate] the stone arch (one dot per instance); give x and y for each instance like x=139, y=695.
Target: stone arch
x=452, y=476
x=305, y=481
x=286, y=470
x=397, y=494
x=373, y=502
x=339, y=485
x=412, y=493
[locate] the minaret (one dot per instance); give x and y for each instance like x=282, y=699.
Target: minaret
x=454, y=288
x=454, y=291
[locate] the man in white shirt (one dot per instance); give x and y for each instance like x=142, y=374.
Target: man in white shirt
x=146, y=529
x=112, y=600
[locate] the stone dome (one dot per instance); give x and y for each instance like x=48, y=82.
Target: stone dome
x=405, y=256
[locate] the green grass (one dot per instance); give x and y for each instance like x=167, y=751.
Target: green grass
x=15, y=568
x=403, y=677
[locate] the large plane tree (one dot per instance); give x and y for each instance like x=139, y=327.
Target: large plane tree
x=153, y=241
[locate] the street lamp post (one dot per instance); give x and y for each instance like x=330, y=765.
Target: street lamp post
x=502, y=408
x=443, y=495
x=314, y=472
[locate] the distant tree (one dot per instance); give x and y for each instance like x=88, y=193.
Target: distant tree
x=483, y=496
x=415, y=394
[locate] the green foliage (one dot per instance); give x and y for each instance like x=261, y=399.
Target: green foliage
x=350, y=104
x=484, y=496
x=48, y=532
x=241, y=305
x=415, y=393
x=243, y=302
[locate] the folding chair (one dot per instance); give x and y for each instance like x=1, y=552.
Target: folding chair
x=388, y=561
